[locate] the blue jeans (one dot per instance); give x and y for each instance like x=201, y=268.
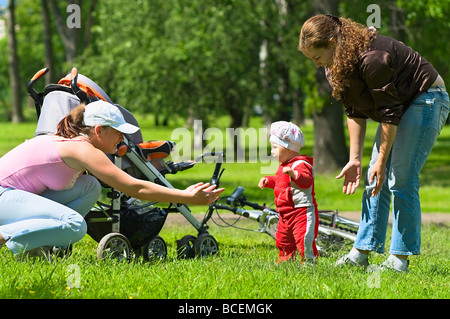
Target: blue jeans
x=416, y=135
x=53, y=218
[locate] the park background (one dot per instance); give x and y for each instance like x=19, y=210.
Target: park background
x=230, y=64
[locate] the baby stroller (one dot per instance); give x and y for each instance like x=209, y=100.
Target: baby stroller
x=124, y=226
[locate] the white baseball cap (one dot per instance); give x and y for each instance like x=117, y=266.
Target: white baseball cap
x=287, y=135
x=106, y=114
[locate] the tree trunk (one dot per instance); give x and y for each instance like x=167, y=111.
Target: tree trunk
x=88, y=26
x=17, y=115
x=330, y=150
x=68, y=35
x=47, y=34
x=297, y=105
x=284, y=82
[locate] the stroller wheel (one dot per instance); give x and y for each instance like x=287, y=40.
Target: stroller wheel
x=114, y=246
x=206, y=245
x=155, y=249
x=185, y=247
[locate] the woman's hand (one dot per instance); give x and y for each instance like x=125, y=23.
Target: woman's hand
x=387, y=137
x=203, y=194
x=352, y=173
x=353, y=170
x=378, y=172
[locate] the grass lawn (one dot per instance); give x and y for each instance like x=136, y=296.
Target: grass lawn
x=246, y=264
x=244, y=268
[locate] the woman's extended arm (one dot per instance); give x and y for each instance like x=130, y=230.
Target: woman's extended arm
x=353, y=170
x=85, y=156
x=388, y=133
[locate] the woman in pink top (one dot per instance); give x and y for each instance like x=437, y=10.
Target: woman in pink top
x=43, y=194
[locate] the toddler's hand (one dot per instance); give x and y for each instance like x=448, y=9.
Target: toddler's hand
x=263, y=182
x=289, y=171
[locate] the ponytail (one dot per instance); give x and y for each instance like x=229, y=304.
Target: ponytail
x=72, y=126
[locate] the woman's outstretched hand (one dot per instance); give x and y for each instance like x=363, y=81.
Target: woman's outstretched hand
x=352, y=173
x=203, y=194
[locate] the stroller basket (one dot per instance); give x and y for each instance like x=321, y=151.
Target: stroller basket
x=141, y=224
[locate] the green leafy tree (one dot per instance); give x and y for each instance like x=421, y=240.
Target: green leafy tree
x=191, y=58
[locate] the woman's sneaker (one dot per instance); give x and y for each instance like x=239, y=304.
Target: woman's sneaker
x=61, y=252
x=353, y=258
x=396, y=264
x=36, y=254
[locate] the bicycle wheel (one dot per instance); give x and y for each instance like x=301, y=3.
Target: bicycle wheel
x=272, y=226
x=335, y=234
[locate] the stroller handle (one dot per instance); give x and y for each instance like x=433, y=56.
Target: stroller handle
x=83, y=96
x=215, y=178
x=38, y=99
x=38, y=75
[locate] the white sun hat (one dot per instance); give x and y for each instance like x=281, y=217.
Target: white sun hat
x=287, y=135
x=106, y=114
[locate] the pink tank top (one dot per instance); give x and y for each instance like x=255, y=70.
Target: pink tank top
x=36, y=165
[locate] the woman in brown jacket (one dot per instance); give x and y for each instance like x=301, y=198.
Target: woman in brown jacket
x=377, y=77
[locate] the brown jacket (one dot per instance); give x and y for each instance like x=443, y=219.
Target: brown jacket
x=389, y=77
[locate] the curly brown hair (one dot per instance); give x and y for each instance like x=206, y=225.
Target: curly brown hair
x=352, y=39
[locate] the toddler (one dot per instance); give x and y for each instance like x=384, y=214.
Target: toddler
x=293, y=186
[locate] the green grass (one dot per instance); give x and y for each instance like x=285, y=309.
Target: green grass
x=244, y=268
x=246, y=264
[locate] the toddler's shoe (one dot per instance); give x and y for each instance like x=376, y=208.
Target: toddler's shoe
x=308, y=262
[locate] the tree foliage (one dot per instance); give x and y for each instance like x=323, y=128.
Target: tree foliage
x=202, y=58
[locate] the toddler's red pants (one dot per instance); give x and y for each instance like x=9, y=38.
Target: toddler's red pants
x=297, y=231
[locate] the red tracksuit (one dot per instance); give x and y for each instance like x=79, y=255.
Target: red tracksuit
x=297, y=208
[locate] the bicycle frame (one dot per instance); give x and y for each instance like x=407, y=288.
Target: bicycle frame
x=266, y=218
x=333, y=229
